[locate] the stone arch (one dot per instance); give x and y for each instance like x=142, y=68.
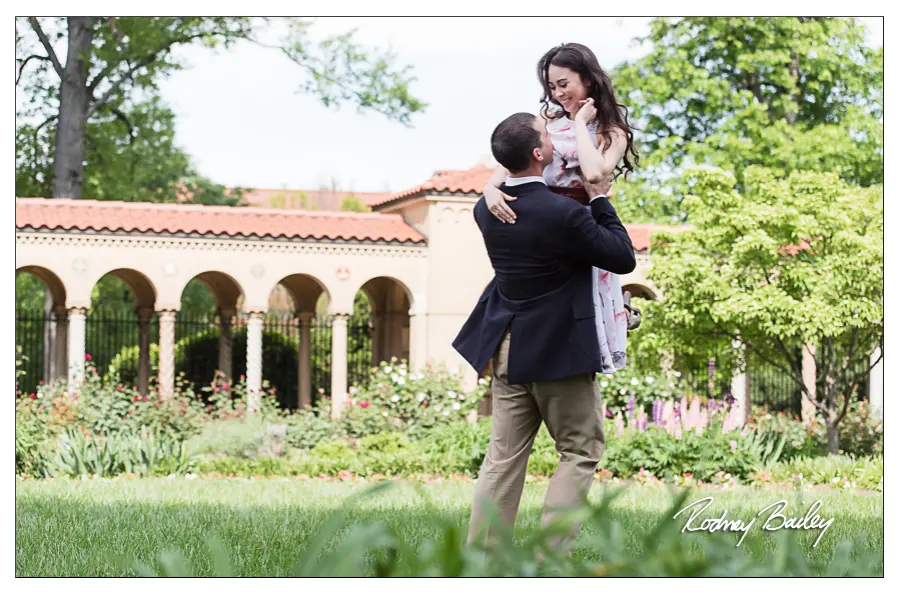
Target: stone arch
x=304, y=291
x=51, y=281
x=140, y=285
x=639, y=291
x=226, y=289
x=42, y=335
x=391, y=301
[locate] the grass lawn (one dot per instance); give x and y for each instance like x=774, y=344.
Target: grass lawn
x=100, y=527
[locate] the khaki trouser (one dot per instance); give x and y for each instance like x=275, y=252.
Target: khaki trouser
x=572, y=410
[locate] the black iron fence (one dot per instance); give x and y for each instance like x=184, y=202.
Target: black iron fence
x=112, y=338
x=30, y=325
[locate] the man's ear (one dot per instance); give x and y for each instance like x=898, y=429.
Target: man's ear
x=537, y=155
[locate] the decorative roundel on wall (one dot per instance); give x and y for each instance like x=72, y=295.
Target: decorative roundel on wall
x=343, y=273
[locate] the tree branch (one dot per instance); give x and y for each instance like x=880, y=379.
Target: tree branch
x=25, y=62
x=115, y=86
x=46, y=44
x=141, y=63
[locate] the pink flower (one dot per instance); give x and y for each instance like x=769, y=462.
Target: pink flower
x=216, y=390
x=224, y=386
x=87, y=357
x=364, y=404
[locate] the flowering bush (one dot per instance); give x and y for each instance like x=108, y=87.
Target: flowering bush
x=412, y=402
x=630, y=386
x=861, y=432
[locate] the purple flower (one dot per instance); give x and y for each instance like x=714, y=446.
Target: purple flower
x=657, y=410
x=629, y=408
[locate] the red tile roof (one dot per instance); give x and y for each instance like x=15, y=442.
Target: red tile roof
x=470, y=181
x=309, y=199
x=140, y=217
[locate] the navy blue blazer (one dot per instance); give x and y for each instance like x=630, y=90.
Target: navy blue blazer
x=542, y=289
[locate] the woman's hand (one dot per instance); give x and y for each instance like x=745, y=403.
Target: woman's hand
x=599, y=189
x=497, y=204
x=587, y=112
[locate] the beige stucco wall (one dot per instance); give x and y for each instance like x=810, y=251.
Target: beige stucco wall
x=169, y=263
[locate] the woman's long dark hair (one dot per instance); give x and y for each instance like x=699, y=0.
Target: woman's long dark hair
x=610, y=113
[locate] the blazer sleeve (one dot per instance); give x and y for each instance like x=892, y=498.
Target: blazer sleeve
x=598, y=237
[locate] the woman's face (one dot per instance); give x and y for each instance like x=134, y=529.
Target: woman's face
x=566, y=87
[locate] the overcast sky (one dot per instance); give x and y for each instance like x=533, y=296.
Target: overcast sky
x=244, y=122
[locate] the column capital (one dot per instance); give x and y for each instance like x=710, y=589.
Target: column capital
x=77, y=311
x=167, y=314
x=344, y=317
x=256, y=315
x=305, y=316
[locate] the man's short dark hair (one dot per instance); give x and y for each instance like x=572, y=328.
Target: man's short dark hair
x=513, y=140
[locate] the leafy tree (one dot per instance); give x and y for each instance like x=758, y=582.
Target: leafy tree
x=111, y=62
x=786, y=93
x=353, y=204
x=791, y=260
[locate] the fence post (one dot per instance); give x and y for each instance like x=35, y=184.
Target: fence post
x=77, y=317
x=338, y=363
x=61, y=344
x=304, y=372
x=145, y=318
x=226, y=342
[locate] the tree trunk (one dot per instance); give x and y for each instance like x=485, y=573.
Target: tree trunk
x=833, y=436
x=797, y=97
x=68, y=164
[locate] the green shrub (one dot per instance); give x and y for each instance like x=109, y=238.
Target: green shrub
x=836, y=471
x=667, y=457
x=458, y=447
x=384, y=443
x=800, y=439
x=336, y=452
x=147, y=453
x=305, y=429
x=232, y=437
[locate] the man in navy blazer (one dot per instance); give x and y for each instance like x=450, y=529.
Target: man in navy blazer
x=536, y=320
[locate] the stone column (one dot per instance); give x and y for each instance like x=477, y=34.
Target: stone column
x=225, y=342
x=807, y=402
x=876, y=384
x=740, y=385
x=338, y=363
x=254, y=360
x=61, y=346
x=418, y=340
x=167, y=354
x=145, y=318
x=304, y=370
x=77, y=317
